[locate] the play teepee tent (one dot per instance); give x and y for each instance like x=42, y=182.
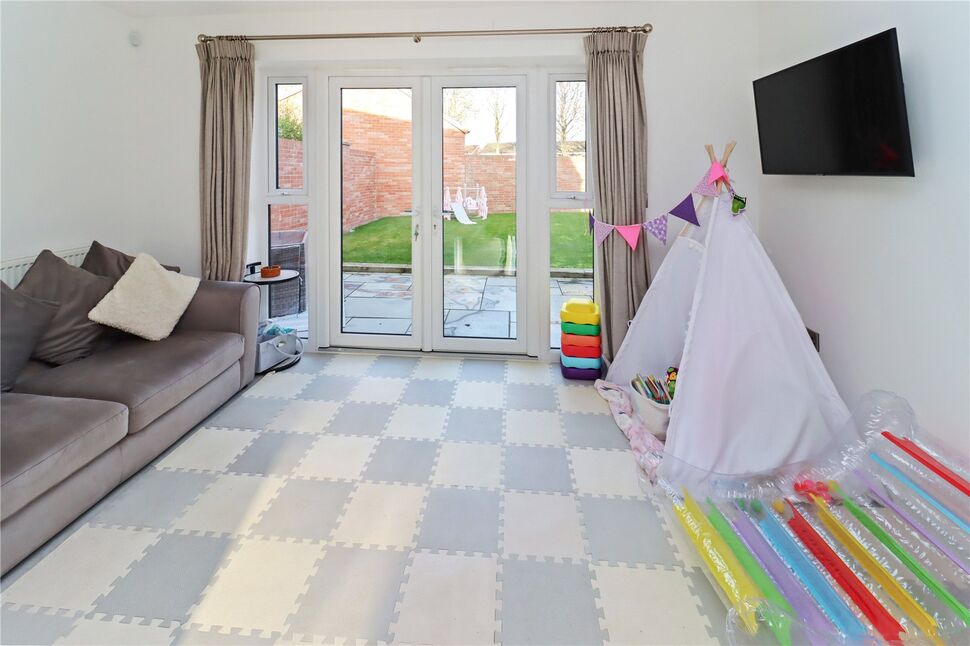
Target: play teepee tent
x=752, y=394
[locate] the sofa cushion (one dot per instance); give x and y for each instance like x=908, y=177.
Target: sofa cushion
x=147, y=301
x=105, y=261
x=149, y=377
x=71, y=336
x=46, y=439
x=23, y=321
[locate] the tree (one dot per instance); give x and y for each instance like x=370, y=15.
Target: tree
x=570, y=112
x=459, y=105
x=496, y=107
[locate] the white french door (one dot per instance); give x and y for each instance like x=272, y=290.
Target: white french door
x=427, y=213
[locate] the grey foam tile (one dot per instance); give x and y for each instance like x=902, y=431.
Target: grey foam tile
x=311, y=363
x=402, y=460
x=246, y=412
x=356, y=418
x=589, y=430
x=153, y=498
x=197, y=637
x=392, y=367
x=428, y=392
x=482, y=370
x=304, y=509
x=332, y=388
x=167, y=581
x=21, y=627
x=461, y=520
x=537, y=468
x=532, y=397
x=351, y=595
x=628, y=531
x=273, y=453
x=548, y=603
x=709, y=602
x=475, y=425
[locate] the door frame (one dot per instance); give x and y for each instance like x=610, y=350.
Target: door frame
x=334, y=267
x=439, y=341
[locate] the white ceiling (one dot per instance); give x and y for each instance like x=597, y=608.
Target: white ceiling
x=157, y=9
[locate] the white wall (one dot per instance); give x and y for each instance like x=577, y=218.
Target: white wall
x=879, y=266
x=68, y=127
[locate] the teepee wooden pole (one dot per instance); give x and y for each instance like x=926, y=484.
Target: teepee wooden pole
x=728, y=149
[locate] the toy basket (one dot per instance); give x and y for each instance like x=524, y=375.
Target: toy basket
x=653, y=415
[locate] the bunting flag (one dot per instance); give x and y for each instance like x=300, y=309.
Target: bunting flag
x=630, y=233
x=685, y=211
x=591, y=221
x=706, y=186
x=716, y=172
x=657, y=227
x=601, y=230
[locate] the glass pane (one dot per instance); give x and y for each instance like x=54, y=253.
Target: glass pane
x=376, y=210
x=570, y=263
x=571, y=136
x=289, y=135
x=478, y=202
x=287, y=248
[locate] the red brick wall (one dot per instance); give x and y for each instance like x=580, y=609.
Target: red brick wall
x=290, y=158
x=377, y=171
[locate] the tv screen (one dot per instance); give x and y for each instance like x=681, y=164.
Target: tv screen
x=842, y=113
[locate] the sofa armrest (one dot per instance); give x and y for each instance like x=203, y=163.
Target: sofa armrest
x=227, y=307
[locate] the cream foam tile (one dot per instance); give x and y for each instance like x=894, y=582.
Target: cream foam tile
x=208, y=449
x=80, y=569
x=524, y=372
x=479, y=394
x=446, y=369
x=302, y=416
x=230, y=505
x=418, y=422
x=279, y=385
x=469, y=465
x=650, y=607
x=259, y=587
x=381, y=514
x=448, y=600
x=350, y=365
x=542, y=525
x=605, y=472
x=337, y=457
x=581, y=399
x=96, y=632
x=533, y=427
x=378, y=390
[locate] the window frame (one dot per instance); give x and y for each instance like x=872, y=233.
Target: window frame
x=272, y=129
x=554, y=192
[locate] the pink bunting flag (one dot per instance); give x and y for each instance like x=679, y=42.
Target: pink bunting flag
x=601, y=230
x=716, y=172
x=630, y=233
x=685, y=211
x=657, y=227
x=706, y=186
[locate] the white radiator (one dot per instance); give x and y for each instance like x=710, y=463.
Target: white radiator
x=11, y=271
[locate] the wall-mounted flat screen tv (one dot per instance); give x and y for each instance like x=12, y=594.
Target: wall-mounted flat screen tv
x=842, y=113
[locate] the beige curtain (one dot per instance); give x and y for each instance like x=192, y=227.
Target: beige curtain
x=226, y=134
x=618, y=136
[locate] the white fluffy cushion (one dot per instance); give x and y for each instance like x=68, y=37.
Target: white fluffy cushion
x=147, y=301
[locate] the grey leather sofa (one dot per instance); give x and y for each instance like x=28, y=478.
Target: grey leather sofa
x=72, y=433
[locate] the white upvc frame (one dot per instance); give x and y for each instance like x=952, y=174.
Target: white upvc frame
x=554, y=200
x=263, y=192
x=336, y=335
x=439, y=341
x=554, y=191
x=272, y=152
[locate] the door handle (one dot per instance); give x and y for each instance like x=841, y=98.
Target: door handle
x=417, y=228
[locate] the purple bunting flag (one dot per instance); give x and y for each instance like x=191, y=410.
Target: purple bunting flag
x=601, y=230
x=706, y=186
x=685, y=211
x=657, y=227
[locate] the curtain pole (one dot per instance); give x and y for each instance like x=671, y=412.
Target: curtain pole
x=418, y=36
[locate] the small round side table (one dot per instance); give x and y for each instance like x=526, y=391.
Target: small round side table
x=286, y=275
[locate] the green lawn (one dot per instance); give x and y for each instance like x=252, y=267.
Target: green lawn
x=388, y=241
